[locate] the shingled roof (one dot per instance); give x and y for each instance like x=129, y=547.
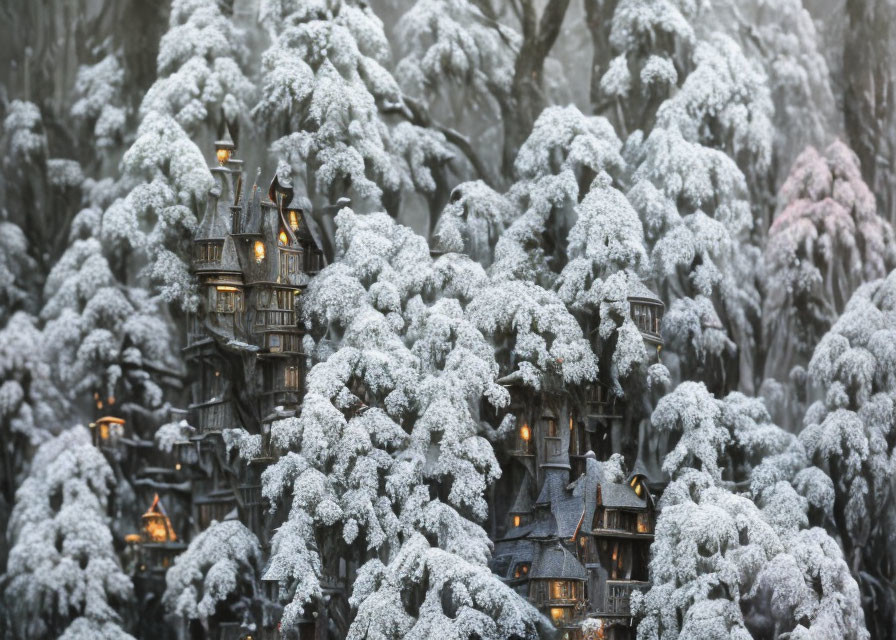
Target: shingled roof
x=522, y=503
x=621, y=496
x=556, y=562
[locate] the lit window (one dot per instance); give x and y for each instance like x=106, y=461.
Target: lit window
x=228, y=299
x=525, y=433
x=294, y=220
x=259, y=251
x=516, y=521
x=643, y=523
x=561, y=590
x=558, y=614
x=223, y=155
x=284, y=239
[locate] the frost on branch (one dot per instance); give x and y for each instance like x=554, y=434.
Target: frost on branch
x=460, y=600
x=473, y=220
x=785, y=41
x=16, y=270
x=165, y=176
x=387, y=416
x=99, y=87
x=692, y=200
x=199, y=67
x=825, y=242
x=169, y=180
x=723, y=566
x=743, y=566
x=62, y=564
x=30, y=402
x=724, y=103
x=221, y=564
x=849, y=433
x=450, y=50
x=324, y=85
x=23, y=125
x=100, y=328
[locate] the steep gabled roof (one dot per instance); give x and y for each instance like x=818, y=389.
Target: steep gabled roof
x=556, y=562
x=215, y=223
x=621, y=496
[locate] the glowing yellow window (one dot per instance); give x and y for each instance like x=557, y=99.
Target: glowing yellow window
x=561, y=590
x=259, y=251
x=558, y=614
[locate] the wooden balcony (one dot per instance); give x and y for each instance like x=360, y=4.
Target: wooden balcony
x=621, y=533
x=619, y=595
x=601, y=403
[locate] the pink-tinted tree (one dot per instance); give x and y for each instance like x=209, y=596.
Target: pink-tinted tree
x=826, y=241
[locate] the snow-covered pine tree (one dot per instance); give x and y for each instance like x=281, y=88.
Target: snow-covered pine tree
x=387, y=466
x=741, y=565
x=786, y=42
x=63, y=578
x=699, y=116
x=325, y=92
x=457, y=65
x=29, y=400
x=200, y=91
x=218, y=574
x=849, y=433
x=825, y=242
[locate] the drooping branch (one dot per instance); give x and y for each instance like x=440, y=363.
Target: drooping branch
x=418, y=115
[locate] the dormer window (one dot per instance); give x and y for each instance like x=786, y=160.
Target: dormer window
x=294, y=219
x=521, y=570
x=207, y=251
x=283, y=238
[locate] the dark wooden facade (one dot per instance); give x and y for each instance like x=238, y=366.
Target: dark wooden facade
x=569, y=535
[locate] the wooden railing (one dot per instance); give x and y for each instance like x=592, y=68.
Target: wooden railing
x=275, y=317
x=619, y=595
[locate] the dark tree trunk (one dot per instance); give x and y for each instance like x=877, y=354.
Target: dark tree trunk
x=527, y=94
x=868, y=100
